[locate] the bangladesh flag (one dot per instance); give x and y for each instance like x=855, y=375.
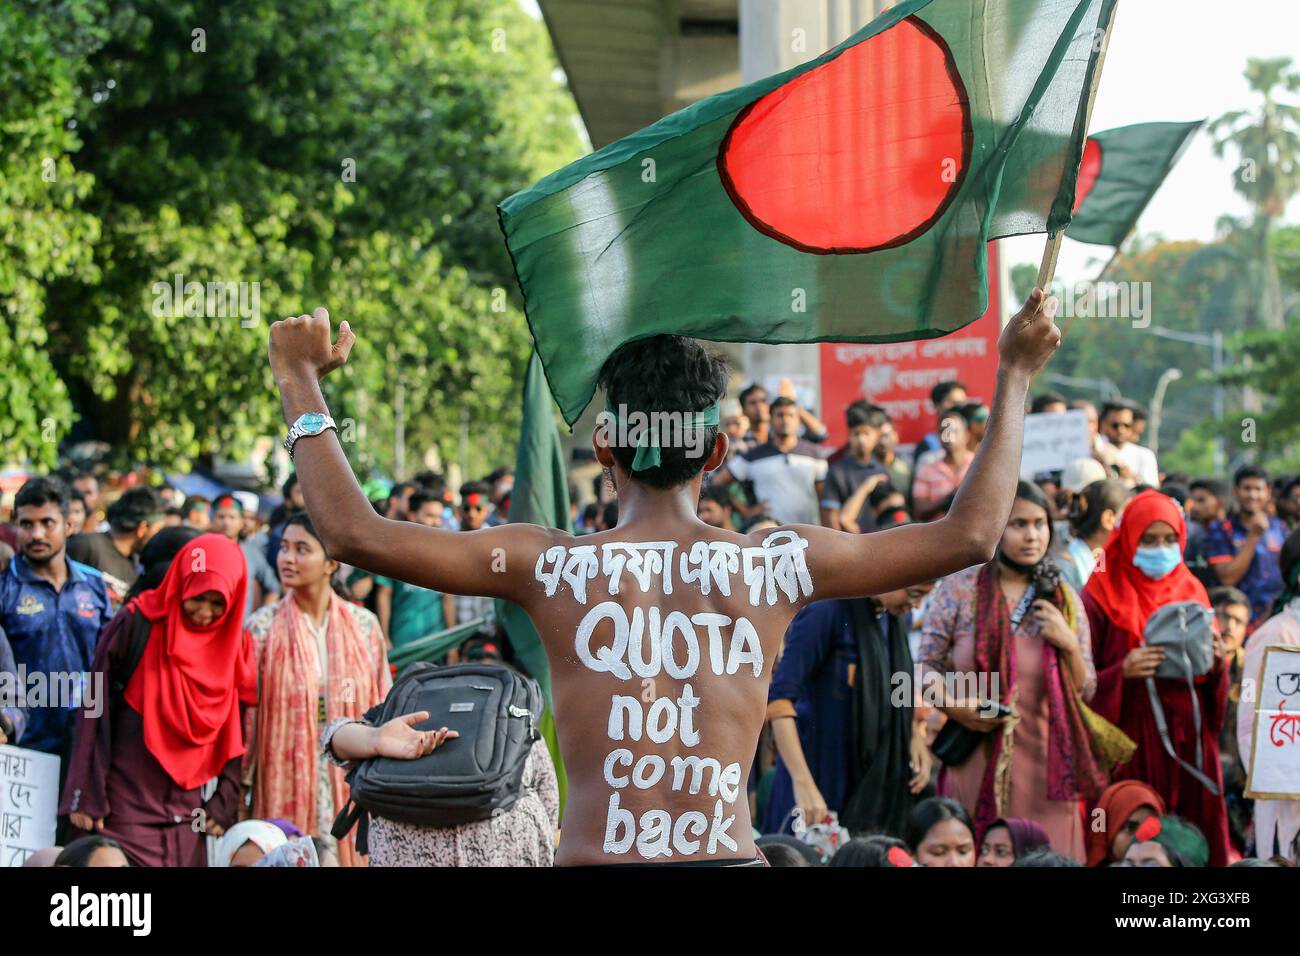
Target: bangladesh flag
x=849, y=199
x=1122, y=169
x=540, y=496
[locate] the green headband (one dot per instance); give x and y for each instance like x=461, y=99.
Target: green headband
x=1177, y=836
x=647, y=446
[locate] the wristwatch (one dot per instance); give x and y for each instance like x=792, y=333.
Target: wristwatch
x=309, y=423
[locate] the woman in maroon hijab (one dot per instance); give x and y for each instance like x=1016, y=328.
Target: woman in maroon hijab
x=169, y=727
x=1119, y=812
x=1008, y=839
x=1142, y=572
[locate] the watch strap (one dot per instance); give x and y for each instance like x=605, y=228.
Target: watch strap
x=297, y=430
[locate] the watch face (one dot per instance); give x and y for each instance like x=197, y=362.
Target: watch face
x=312, y=423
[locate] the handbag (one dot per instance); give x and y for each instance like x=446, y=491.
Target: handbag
x=954, y=743
x=1185, y=630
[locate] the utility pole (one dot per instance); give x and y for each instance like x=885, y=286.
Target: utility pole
x=1158, y=404
x=1212, y=341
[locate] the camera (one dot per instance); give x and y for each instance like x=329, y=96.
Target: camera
x=1047, y=582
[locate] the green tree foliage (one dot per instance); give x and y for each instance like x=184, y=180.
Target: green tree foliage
x=336, y=154
x=1286, y=253
x=1269, y=362
x=1267, y=143
x=45, y=231
x=1201, y=288
x=1244, y=285
x=1194, y=287
x=1023, y=279
x=425, y=328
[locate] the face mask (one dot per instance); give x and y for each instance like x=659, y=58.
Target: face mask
x=1156, y=562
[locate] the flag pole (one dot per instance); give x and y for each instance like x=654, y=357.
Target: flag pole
x=1047, y=268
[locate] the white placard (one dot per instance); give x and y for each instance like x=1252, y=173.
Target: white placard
x=1053, y=441
x=29, y=801
x=1275, y=748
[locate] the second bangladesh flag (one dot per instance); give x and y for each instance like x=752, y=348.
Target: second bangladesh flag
x=1122, y=169
x=848, y=199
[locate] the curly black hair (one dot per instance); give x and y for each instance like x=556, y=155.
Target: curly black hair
x=665, y=373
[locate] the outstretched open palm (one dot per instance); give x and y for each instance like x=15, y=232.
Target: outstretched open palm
x=400, y=740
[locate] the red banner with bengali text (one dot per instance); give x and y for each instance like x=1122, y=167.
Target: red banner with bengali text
x=899, y=376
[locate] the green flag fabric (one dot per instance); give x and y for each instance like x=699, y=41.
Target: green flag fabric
x=540, y=496
x=849, y=199
x=1121, y=170
x=433, y=646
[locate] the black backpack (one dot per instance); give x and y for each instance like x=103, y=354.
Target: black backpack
x=475, y=776
x=122, y=669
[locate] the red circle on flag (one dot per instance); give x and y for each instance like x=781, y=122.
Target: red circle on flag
x=1089, y=170
x=864, y=152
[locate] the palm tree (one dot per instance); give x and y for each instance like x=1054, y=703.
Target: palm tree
x=1268, y=175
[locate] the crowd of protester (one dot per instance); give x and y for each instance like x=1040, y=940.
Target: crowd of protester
x=1051, y=747
x=1014, y=713
x=230, y=662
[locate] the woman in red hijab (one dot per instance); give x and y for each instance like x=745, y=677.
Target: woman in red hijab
x=1143, y=571
x=158, y=748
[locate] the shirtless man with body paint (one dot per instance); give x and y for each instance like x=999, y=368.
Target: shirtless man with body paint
x=661, y=632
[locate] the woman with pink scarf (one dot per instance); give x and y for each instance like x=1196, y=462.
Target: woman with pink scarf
x=1031, y=655
x=319, y=659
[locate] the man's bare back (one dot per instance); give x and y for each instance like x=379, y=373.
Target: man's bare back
x=661, y=643
x=658, y=748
